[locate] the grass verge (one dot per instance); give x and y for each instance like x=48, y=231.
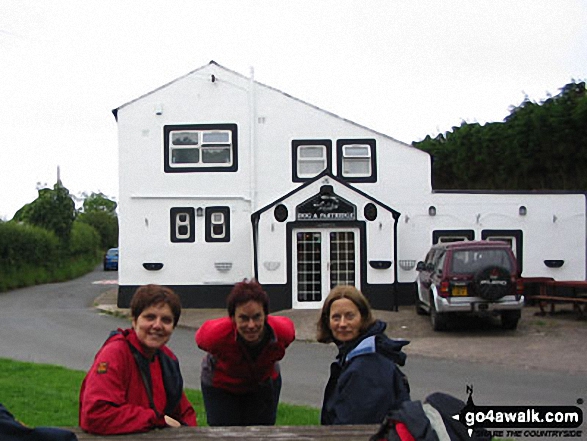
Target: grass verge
x=47, y=395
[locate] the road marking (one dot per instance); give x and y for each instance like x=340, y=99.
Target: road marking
x=105, y=282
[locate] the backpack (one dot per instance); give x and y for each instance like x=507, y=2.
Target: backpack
x=431, y=420
x=12, y=430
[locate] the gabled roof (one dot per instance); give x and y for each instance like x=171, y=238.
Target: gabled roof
x=214, y=63
x=395, y=214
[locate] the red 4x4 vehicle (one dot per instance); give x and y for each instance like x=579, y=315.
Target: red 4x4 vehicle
x=472, y=277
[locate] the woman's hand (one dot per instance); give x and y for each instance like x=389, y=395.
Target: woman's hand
x=171, y=422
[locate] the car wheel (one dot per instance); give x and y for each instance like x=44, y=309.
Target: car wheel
x=437, y=319
x=509, y=319
x=492, y=283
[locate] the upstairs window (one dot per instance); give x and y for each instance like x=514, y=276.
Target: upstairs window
x=200, y=147
x=356, y=160
x=310, y=158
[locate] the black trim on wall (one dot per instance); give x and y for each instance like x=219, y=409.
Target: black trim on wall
x=191, y=296
x=380, y=296
x=210, y=296
x=294, y=156
x=169, y=128
x=372, y=144
x=519, y=237
x=437, y=234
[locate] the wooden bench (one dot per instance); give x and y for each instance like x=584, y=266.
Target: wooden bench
x=549, y=294
x=306, y=433
x=579, y=303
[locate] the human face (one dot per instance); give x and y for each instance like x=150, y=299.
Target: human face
x=249, y=319
x=154, y=327
x=345, y=320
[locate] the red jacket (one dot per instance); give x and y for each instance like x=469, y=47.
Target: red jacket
x=113, y=397
x=228, y=364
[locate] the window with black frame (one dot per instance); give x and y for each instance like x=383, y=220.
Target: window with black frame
x=200, y=148
x=217, y=224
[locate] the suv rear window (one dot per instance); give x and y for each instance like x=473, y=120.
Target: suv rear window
x=471, y=261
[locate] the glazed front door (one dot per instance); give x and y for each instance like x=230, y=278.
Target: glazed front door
x=323, y=259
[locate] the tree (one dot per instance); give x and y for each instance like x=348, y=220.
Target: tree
x=53, y=210
x=99, y=202
x=539, y=146
x=99, y=212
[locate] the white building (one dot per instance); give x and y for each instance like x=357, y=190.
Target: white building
x=223, y=178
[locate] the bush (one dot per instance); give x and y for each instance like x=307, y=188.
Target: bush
x=31, y=255
x=22, y=244
x=84, y=240
x=106, y=224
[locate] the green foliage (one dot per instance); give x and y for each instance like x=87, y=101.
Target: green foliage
x=31, y=255
x=537, y=147
x=46, y=243
x=99, y=202
x=106, y=224
x=46, y=395
x=84, y=240
x=100, y=212
x=53, y=210
x=22, y=244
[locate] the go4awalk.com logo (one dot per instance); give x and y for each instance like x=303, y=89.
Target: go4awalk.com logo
x=521, y=421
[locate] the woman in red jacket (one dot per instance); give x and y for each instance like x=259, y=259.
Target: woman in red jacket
x=240, y=376
x=135, y=384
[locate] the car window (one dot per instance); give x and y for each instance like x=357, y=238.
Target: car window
x=471, y=261
x=439, y=260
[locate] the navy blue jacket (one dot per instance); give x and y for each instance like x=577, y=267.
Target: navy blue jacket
x=12, y=430
x=365, y=382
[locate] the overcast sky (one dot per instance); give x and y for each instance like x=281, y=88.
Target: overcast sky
x=405, y=68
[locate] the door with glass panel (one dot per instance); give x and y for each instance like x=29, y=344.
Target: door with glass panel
x=323, y=259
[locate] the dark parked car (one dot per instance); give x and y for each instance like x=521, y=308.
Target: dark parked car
x=471, y=277
x=111, y=259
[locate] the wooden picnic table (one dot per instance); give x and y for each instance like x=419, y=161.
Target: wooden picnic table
x=305, y=433
x=549, y=294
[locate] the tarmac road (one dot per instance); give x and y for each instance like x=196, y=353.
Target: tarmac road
x=58, y=324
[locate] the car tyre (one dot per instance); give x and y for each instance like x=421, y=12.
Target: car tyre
x=492, y=283
x=510, y=319
x=438, y=320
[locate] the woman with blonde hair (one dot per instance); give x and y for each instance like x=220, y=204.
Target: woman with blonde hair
x=365, y=382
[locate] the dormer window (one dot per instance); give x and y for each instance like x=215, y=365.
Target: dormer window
x=310, y=158
x=356, y=160
x=200, y=147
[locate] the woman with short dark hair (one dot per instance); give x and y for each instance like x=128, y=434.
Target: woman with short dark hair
x=240, y=378
x=365, y=382
x=135, y=383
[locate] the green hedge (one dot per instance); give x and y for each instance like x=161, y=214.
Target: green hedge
x=31, y=255
x=22, y=244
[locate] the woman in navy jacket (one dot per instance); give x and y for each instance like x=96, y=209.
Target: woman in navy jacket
x=365, y=382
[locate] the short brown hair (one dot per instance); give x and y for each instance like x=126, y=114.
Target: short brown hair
x=324, y=334
x=149, y=295
x=244, y=292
